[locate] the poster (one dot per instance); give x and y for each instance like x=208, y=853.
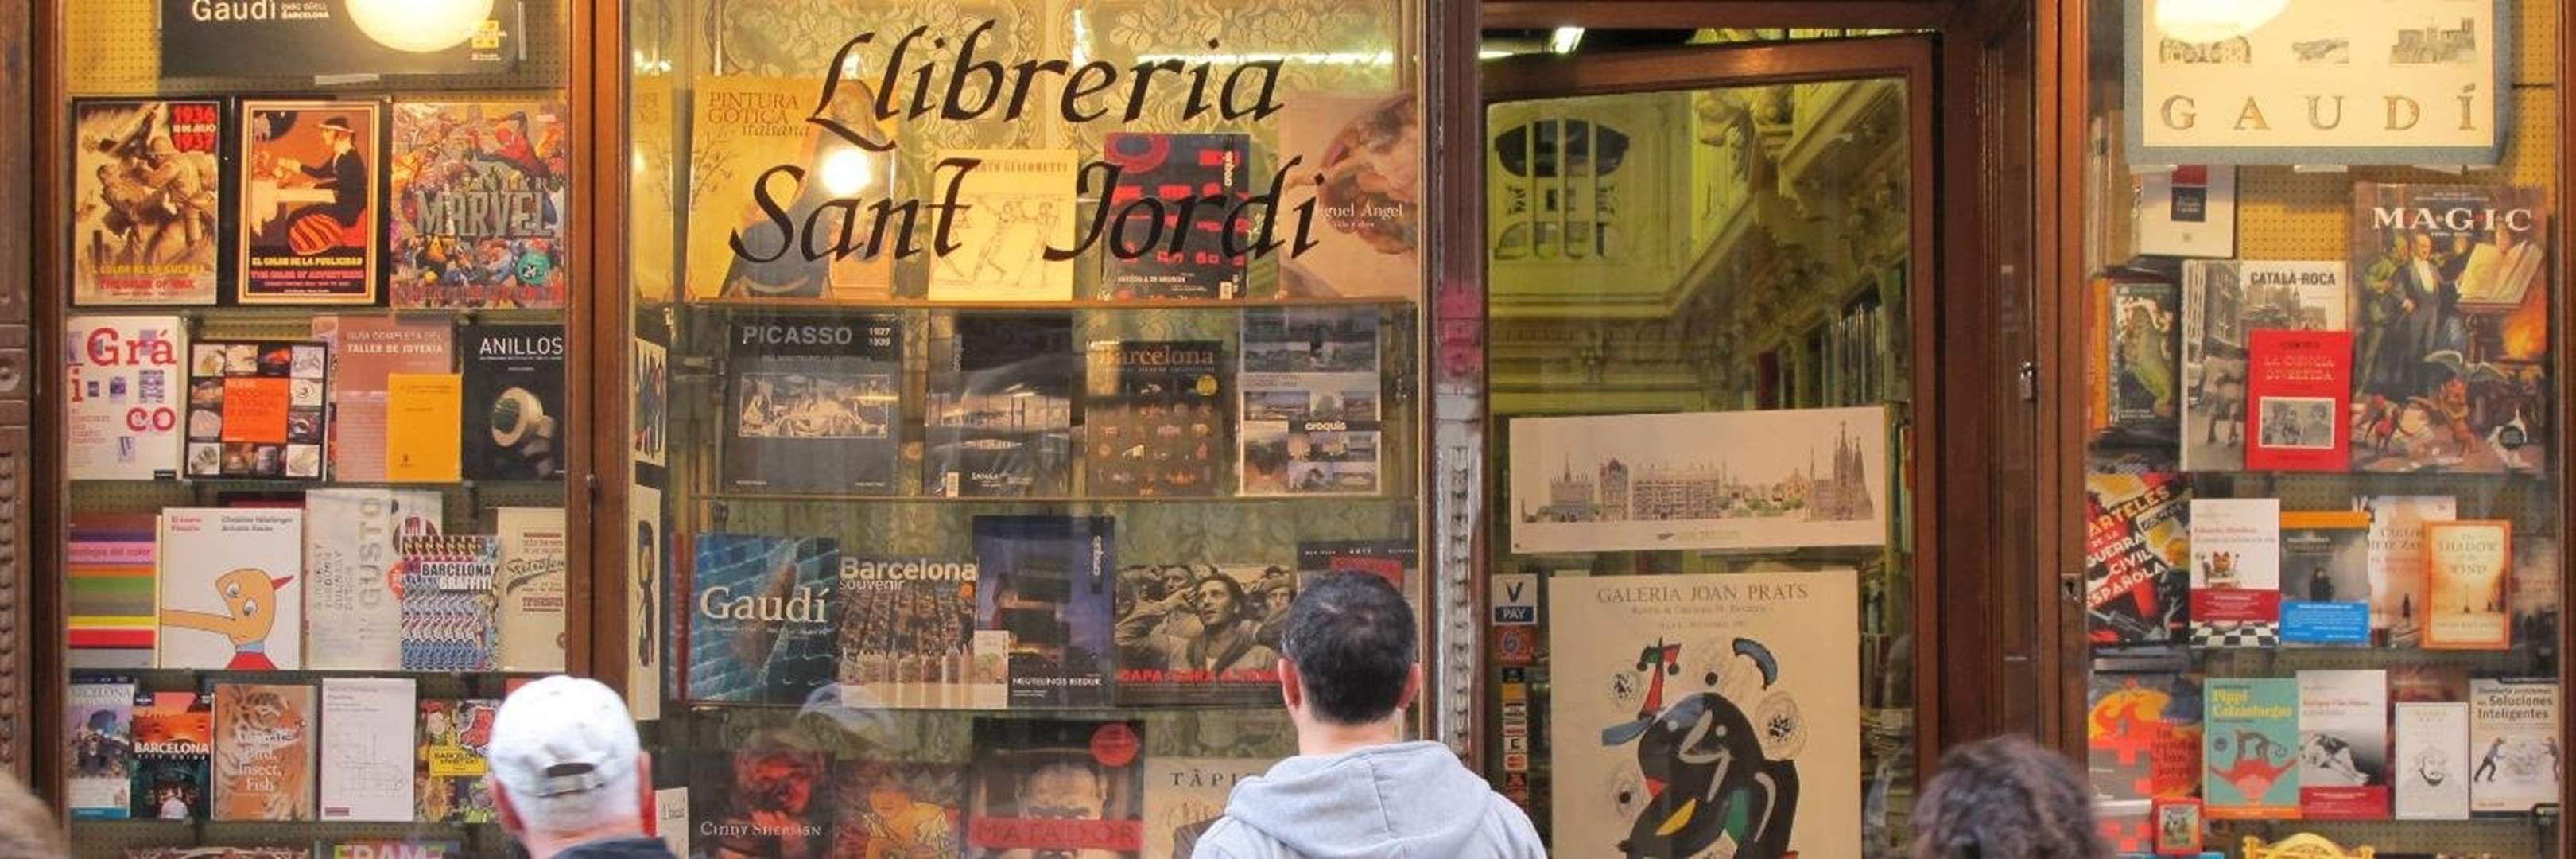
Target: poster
x=1660, y=684
x=312, y=217
x=1706, y=480
x=147, y=201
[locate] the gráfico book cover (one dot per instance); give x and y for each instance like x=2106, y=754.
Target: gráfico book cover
x=122, y=381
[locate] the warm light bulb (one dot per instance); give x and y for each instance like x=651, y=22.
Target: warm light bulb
x=1564, y=40
x=420, y=26
x=847, y=171
x=2203, y=21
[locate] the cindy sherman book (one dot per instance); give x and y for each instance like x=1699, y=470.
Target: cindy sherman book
x=2343, y=745
x=1172, y=234
x=2213, y=366
x=909, y=637
x=255, y=409
x=121, y=388
x=2143, y=738
x=173, y=749
x=1056, y=786
x=448, y=602
x=1357, y=159
x=2432, y=760
x=366, y=755
x=2137, y=540
x=477, y=203
x=1018, y=203
x=1185, y=796
x=1201, y=633
x=2451, y=328
x=898, y=808
x=2299, y=385
x=769, y=800
x=352, y=557
x=2235, y=572
x=312, y=217
x=2325, y=572
x=448, y=778
x=2397, y=594
x=2250, y=760
x=531, y=587
x=108, y=589
x=1154, y=419
x=367, y=351
x=98, y=773
x=2513, y=740
x=771, y=233
x=263, y=751
x=1046, y=582
x=2467, y=568
x=1000, y=416
x=815, y=401
x=230, y=589
x=761, y=621
x=1311, y=406
x=148, y=201
x=514, y=401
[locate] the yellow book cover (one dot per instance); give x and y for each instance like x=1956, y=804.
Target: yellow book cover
x=1019, y=202
x=424, y=432
x=759, y=231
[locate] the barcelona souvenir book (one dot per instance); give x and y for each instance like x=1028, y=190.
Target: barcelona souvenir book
x=2450, y=320
x=815, y=401
x=1154, y=422
x=910, y=639
x=1017, y=785
x=2137, y=538
x=477, y=202
x=761, y=625
x=1172, y=235
x=256, y=409
x=148, y=209
x=312, y=215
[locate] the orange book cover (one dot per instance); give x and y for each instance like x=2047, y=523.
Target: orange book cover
x=2467, y=574
x=263, y=768
x=424, y=432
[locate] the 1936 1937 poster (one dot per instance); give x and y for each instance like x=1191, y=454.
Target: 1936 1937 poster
x=311, y=216
x=1702, y=480
x=1706, y=714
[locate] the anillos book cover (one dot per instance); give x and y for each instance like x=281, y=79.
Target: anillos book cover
x=514, y=401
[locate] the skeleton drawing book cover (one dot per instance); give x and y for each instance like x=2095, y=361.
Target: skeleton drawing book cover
x=311, y=212
x=477, y=204
x=2450, y=318
x=147, y=201
x=1706, y=715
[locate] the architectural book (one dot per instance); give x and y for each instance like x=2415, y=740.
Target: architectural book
x=1172, y=233
x=1000, y=416
x=1047, y=583
x=1154, y=419
x=366, y=753
x=762, y=624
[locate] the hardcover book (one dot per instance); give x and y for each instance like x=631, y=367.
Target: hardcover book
x=121, y=404
x=2189, y=211
x=1356, y=159
x=2513, y=734
x=311, y=215
x=2136, y=574
x=2293, y=296
x=905, y=808
x=2235, y=572
x=1046, y=581
x=263, y=751
x=173, y=747
x=1173, y=234
x=108, y=589
x=2343, y=745
x=761, y=624
x=2325, y=571
x=2397, y=596
x=1201, y=633
x=2299, y=386
x=2251, y=752
x=815, y=404
x=2213, y=366
x=148, y=201
x=477, y=200
x=366, y=762
x=2432, y=761
x=1185, y=796
x=531, y=585
x=1000, y=417
x=99, y=771
x=377, y=848
x=2144, y=398
x=2534, y=593
x=367, y=351
x=424, y=442
x=448, y=602
x=767, y=801
x=1017, y=204
x=514, y=401
x=2466, y=577
x=1154, y=422
x=773, y=233
x=449, y=775
x=1392, y=560
x=1311, y=409
x=352, y=553
x=909, y=637
x=1026, y=769
x=255, y=409
x=2143, y=739
x=229, y=595
x=2450, y=361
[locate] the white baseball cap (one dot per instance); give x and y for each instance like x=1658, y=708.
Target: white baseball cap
x=561, y=735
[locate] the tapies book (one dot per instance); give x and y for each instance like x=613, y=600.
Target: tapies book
x=149, y=208
x=761, y=619
x=312, y=216
x=256, y=409
x=1185, y=796
x=1047, y=582
x=478, y=204
x=815, y=401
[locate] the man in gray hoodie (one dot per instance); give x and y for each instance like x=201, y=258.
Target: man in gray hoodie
x=1355, y=789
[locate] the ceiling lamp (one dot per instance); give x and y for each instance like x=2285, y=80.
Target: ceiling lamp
x=420, y=26
x=2204, y=21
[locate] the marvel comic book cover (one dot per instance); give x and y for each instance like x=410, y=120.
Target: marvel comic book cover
x=477, y=202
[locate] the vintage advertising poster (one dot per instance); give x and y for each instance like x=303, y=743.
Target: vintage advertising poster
x=1185, y=796
x=1000, y=417
x=1311, y=404
x=782, y=194
x=1172, y=234
x=2396, y=557
x=424, y=435
x=2299, y=385
x=532, y=582
x=2250, y=759
x=645, y=617
x=147, y=211
x=2142, y=739
x=450, y=761
x=1699, y=713
x=515, y=410
x=312, y=217
x=770, y=801
x=263, y=751
x=255, y=409
x=2343, y=745
x=173, y=747
x=2422, y=81
x=909, y=638
x=366, y=766
x=1047, y=582
x=650, y=392
x=2467, y=565
x=2213, y=367
x=2137, y=575
x=2432, y=761
x=1154, y=421
x=98, y=772
x=2451, y=326
x=2235, y=572
x=365, y=352
x=229, y=589
x=2188, y=211
x=448, y=602
x=108, y=576
x=2325, y=578
x=352, y=543
x=477, y=200
x=1201, y=633
x=121, y=396
x=1018, y=204
x=2513, y=736
x=1056, y=787
x=1707, y=480
x=761, y=626
x=1358, y=161
x=815, y=401
x=899, y=808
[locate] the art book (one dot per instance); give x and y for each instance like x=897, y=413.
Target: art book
x=229, y=595
x=2299, y=386
x=448, y=777
x=532, y=588
x=1154, y=419
x=2450, y=360
x=515, y=411
x=108, y=589
x=909, y=636
x=2143, y=739
x=761, y=625
x=2467, y=568
x=367, y=351
x=312, y=218
x=2325, y=572
x=899, y=808
x=2213, y=366
x=1392, y=560
x=1356, y=157
x=2189, y=211
x=377, y=848
x=771, y=800
x=1173, y=234
x=98, y=772
x=448, y=602
x=1201, y=633
x=2432, y=761
x=255, y=409
x=815, y=401
x=647, y=616
x=2397, y=595
x=1000, y=417
x=263, y=751
x=121, y=406
x=478, y=204
x=148, y=201
x=2137, y=544
x=424, y=442
x=352, y=557
x=1311, y=406
x=1018, y=203
x=1019, y=767
x=2142, y=395
x=1648, y=667
x=2513, y=734
x=2343, y=745
x=774, y=185
x=1047, y=582
x=174, y=736
x=2250, y=757
x=1185, y=796
x=2235, y=572
x=649, y=390
x=2293, y=296
x=366, y=749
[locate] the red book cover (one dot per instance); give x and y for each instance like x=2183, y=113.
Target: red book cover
x=2301, y=385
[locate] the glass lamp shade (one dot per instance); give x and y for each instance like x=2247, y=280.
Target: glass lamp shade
x=420, y=26
x=2202, y=21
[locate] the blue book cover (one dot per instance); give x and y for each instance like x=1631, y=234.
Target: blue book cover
x=2325, y=578
x=1047, y=582
x=761, y=626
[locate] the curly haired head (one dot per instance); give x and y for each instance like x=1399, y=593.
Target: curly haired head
x=2005, y=798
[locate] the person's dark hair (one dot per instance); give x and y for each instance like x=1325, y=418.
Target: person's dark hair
x=1352, y=638
x=2006, y=798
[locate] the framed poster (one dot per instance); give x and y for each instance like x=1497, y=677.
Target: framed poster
x=1699, y=480
x=312, y=217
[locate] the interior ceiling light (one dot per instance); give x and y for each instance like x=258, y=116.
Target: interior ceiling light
x=2202, y=21
x=1564, y=40
x=420, y=26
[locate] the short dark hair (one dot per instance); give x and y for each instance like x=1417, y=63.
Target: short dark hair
x=2005, y=798
x=1351, y=636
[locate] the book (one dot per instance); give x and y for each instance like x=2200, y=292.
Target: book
x=219, y=853
x=2294, y=295
x=1173, y=230
x=534, y=546
x=2144, y=397
x=2213, y=366
x=2397, y=598
x=2299, y=384
x=815, y=401
x=365, y=352
x=366, y=750
x=899, y=808
x=121, y=408
x=647, y=617
x=2533, y=593
x=477, y=199
x=448, y=602
x=263, y=751
x=1015, y=761
x=2136, y=572
x=108, y=589
x=2189, y=211
x=2432, y=760
x=2420, y=682
x=2513, y=733
x=1355, y=158
x=1201, y=633
x=671, y=818
x=312, y=218
x=2451, y=328
x=1311, y=405
x=1154, y=422
x=352, y=555
x=2178, y=827
x=424, y=438
x=2251, y=752
x=1185, y=796
x=2343, y=745
x=1046, y=581
x=448, y=778
x=773, y=799
x=2325, y=572
x=174, y=736
x=2142, y=739
x=255, y=408
x=98, y=772
x=514, y=401
x=379, y=848
x=780, y=191
x=1000, y=416
x=2235, y=572
x=761, y=625
x=2467, y=580
x=148, y=201
x=909, y=637
x=228, y=589
x=1392, y=560
x=1017, y=204
x=649, y=391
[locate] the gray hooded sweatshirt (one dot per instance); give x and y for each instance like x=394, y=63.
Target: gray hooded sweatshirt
x=1405, y=800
